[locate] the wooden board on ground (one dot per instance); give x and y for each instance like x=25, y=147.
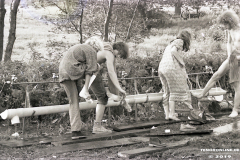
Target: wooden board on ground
x=66, y=139
x=95, y=145
x=149, y=150
x=173, y=133
x=97, y=137
x=26, y=142
x=144, y=125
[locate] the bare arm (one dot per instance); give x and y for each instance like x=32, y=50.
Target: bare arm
x=111, y=71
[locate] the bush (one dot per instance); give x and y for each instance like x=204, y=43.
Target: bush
x=53, y=94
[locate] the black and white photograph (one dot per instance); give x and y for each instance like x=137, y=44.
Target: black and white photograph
x=119, y=79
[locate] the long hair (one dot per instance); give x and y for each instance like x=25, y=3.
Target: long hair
x=186, y=37
x=229, y=17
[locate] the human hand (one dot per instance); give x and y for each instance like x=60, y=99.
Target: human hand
x=122, y=91
x=197, y=95
x=232, y=58
x=114, y=97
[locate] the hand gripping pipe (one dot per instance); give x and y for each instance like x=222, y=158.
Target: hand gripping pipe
x=15, y=114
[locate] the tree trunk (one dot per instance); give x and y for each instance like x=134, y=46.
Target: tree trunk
x=12, y=30
x=80, y=24
x=130, y=26
x=2, y=16
x=115, y=28
x=107, y=21
x=178, y=6
x=142, y=9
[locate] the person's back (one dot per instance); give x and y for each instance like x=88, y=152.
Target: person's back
x=168, y=61
x=75, y=61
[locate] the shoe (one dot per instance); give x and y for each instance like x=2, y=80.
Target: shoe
x=209, y=117
x=233, y=114
x=77, y=135
x=155, y=142
x=174, y=118
x=100, y=129
x=187, y=127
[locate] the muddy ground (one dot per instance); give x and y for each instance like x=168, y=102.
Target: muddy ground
x=193, y=150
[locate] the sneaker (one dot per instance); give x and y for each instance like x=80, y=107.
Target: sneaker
x=187, y=127
x=100, y=129
x=77, y=135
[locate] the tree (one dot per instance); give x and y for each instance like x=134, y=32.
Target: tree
x=80, y=23
x=12, y=31
x=142, y=9
x=74, y=13
x=130, y=26
x=107, y=21
x=178, y=5
x=2, y=16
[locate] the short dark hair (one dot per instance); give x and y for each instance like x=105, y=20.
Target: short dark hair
x=186, y=37
x=122, y=48
x=229, y=17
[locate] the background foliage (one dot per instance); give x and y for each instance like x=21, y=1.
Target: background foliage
x=147, y=43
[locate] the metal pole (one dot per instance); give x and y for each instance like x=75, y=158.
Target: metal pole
x=135, y=105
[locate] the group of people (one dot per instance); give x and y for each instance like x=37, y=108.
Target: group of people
x=82, y=61
x=172, y=71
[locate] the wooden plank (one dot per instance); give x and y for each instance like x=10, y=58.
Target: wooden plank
x=96, y=137
x=173, y=133
x=66, y=139
x=149, y=150
x=144, y=125
x=95, y=145
x=26, y=142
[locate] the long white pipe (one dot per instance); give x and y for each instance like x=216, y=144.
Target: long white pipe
x=34, y=111
x=131, y=99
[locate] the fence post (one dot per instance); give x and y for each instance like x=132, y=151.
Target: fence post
x=136, y=92
x=27, y=105
x=109, y=115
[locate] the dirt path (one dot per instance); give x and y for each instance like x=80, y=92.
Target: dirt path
x=194, y=149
